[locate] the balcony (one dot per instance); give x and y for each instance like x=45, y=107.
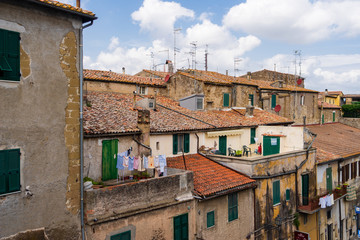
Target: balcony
x=311, y=205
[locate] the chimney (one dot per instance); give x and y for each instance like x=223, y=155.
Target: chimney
x=249, y=110
x=123, y=70
x=249, y=75
x=170, y=66
x=78, y=3
x=326, y=92
x=143, y=124
x=227, y=72
x=134, y=100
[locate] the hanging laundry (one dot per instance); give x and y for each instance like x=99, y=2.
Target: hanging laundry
x=156, y=161
x=351, y=193
x=145, y=160
x=162, y=163
x=126, y=162
x=331, y=199
x=322, y=202
x=120, y=160
x=151, y=162
x=131, y=163
x=136, y=163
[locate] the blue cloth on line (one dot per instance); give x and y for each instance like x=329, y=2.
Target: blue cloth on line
x=120, y=160
x=131, y=163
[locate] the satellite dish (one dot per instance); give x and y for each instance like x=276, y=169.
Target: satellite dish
x=277, y=108
x=299, y=81
x=167, y=77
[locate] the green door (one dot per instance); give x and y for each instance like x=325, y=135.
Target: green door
x=181, y=227
x=271, y=145
x=122, y=236
x=305, y=189
x=333, y=116
x=109, y=159
x=222, y=145
x=322, y=119
x=329, y=179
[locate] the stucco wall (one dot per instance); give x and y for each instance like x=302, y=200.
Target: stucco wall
x=223, y=229
x=42, y=120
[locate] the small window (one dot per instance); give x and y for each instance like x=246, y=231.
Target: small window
x=157, y=145
x=9, y=55
x=305, y=218
x=122, y=236
x=328, y=214
x=252, y=135
x=287, y=194
x=181, y=227
x=142, y=90
x=210, y=219
x=199, y=103
x=251, y=99
x=302, y=100
x=276, y=192
x=151, y=105
x=232, y=206
x=273, y=101
x=226, y=100
x=181, y=143
x=9, y=171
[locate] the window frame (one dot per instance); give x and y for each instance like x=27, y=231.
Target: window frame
x=11, y=55
x=252, y=135
x=276, y=193
x=287, y=194
x=210, y=216
x=197, y=103
x=226, y=100
x=179, y=141
x=120, y=235
x=233, y=212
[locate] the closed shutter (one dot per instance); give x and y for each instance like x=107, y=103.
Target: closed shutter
x=273, y=101
x=333, y=116
x=287, y=194
x=175, y=143
x=122, y=236
x=305, y=189
x=222, y=145
x=232, y=206
x=252, y=135
x=276, y=192
x=14, y=170
x=323, y=119
x=186, y=142
x=226, y=100
x=329, y=179
x=181, y=231
x=347, y=172
x=210, y=219
x=271, y=145
x=3, y=173
x=251, y=98
x=10, y=55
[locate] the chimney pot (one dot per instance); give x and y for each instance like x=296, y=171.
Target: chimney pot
x=227, y=72
x=123, y=70
x=249, y=111
x=249, y=75
x=78, y=3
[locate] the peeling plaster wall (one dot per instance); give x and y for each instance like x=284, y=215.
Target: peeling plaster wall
x=42, y=120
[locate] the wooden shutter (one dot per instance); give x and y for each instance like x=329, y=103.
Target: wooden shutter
x=222, y=145
x=305, y=189
x=181, y=231
x=186, y=142
x=3, y=173
x=268, y=148
x=353, y=170
x=226, y=100
x=273, y=101
x=251, y=97
x=343, y=177
x=252, y=135
x=287, y=194
x=109, y=159
x=210, y=219
x=14, y=169
x=329, y=186
x=333, y=116
x=175, y=143
x=122, y=236
x=322, y=119
x=10, y=53
x=232, y=206
x=276, y=192
x=347, y=171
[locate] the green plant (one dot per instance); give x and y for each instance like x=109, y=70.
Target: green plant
x=86, y=179
x=88, y=103
x=296, y=221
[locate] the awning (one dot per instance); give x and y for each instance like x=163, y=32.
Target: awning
x=225, y=133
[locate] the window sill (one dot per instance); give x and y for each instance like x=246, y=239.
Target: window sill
x=9, y=83
x=277, y=204
x=7, y=194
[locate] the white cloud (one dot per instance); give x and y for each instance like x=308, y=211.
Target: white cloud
x=158, y=17
x=114, y=43
x=295, y=21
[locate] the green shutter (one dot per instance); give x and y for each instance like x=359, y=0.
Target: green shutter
x=14, y=170
x=305, y=189
x=287, y=194
x=226, y=100
x=276, y=192
x=210, y=219
x=175, y=143
x=329, y=179
x=222, y=145
x=109, y=159
x=232, y=207
x=122, y=236
x=273, y=101
x=3, y=173
x=186, y=142
x=333, y=116
x=268, y=147
x=181, y=229
x=251, y=97
x=10, y=55
x=252, y=135
x=322, y=119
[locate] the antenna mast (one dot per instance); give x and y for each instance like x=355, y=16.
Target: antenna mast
x=175, y=49
x=206, y=58
x=193, y=55
x=236, y=61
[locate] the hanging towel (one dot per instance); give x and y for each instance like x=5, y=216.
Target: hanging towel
x=136, y=163
x=126, y=161
x=151, y=162
x=162, y=163
x=145, y=160
x=131, y=163
x=162, y=158
x=120, y=160
x=331, y=199
x=156, y=161
x=322, y=202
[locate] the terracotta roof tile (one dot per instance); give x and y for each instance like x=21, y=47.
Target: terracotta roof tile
x=208, y=77
x=335, y=140
x=328, y=105
x=157, y=73
x=67, y=7
x=114, y=113
x=209, y=177
x=98, y=75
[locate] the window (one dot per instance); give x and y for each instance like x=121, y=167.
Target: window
x=305, y=189
x=251, y=99
x=9, y=55
x=199, y=103
x=151, y=105
x=157, y=145
x=329, y=186
x=287, y=194
x=353, y=170
x=210, y=219
x=181, y=228
x=142, y=90
x=271, y=145
x=334, y=116
x=328, y=214
x=322, y=119
x=345, y=173
x=181, y=143
x=232, y=206
x=9, y=171
x=252, y=135
x=276, y=192
x=302, y=100
x=226, y=100
x=273, y=101
x=305, y=218
x=122, y=236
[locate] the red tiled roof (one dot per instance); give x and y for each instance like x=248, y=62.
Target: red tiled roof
x=206, y=76
x=157, y=73
x=335, y=140
x=333, y=93
x=209, y=177
x=67, y=7
x=328, y=105
x=114, y=113
x=98, y=75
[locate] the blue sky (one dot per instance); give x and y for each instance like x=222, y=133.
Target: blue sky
x=261, y=33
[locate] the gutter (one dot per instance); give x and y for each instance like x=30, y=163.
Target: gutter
x=82, y=131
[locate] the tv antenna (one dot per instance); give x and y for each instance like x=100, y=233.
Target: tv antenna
x=177, y=30
x=236, y=62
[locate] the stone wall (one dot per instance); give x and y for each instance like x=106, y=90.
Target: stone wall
x=353, y=122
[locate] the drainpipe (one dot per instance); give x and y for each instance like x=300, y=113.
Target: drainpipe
x=82, y=132
x=197, y=147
